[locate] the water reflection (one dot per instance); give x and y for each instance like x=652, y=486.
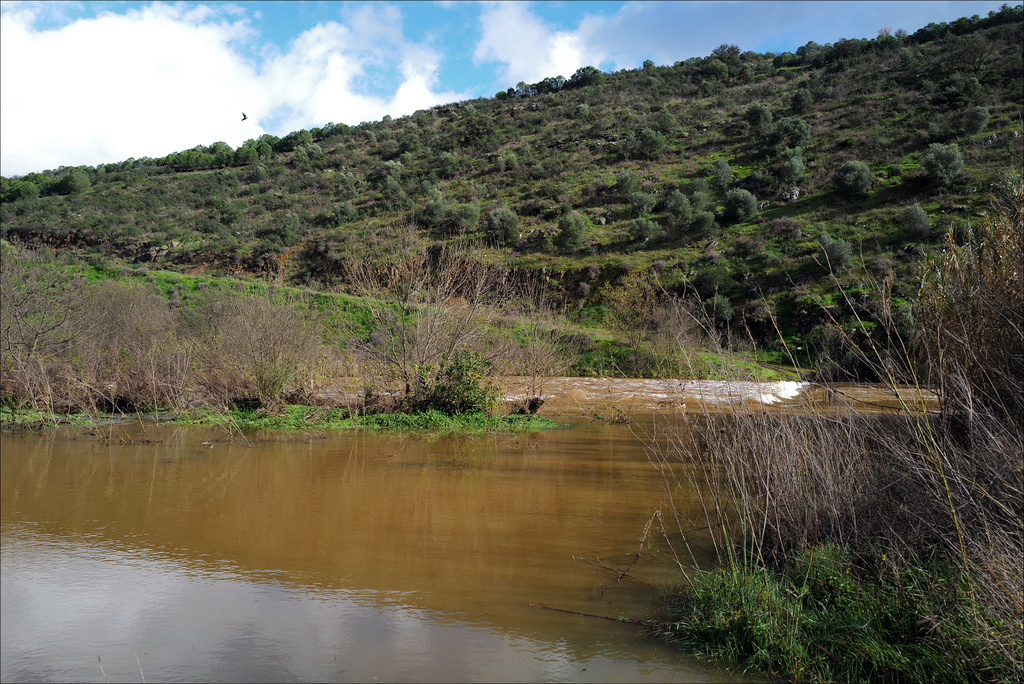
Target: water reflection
x=326, y=557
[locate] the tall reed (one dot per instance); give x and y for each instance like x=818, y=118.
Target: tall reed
x=882, y=546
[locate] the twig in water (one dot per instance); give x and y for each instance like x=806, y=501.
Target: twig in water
x=140, y=668
x=619, y=573
x=100, y=661
x=642, y=623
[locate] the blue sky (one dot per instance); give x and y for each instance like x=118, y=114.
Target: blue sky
x=96, y=82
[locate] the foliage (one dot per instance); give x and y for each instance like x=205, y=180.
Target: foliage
x=627, y=182
x=571, y=229
x=502, y=225
x=760, y=119
x=740, y=205
x=854, y=178
x=943, y=163
x=642, y=203
x=646, y=144
x=976, y=119
x=915, y=220
x=834, y=253
x=722, y=171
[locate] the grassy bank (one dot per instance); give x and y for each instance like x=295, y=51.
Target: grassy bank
x=880, y=548
x=300, y=417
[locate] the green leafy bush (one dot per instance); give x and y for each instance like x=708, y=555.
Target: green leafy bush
x=502, y=225
x=943, y=163
x=854, y=178
x=643, y=229
x=647, y=144
x=976, y=119
x=571, y=229
x=740, y=205
x=915, y=220
x=642, y=203
x=834, y=253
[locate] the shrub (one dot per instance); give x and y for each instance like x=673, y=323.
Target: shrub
x=464, y=217
x=647, y=144
x=792, y=167
x=740, y=205
x=854, y=178
x=502, y=225
x=834, y=253
x=943, y=163
x=760, y=119
x=722, y=171
x=915, y=220
x=703, y=222
x=643, y=230
x=571, y=229
x=456, y=387
x=794, y=132
x=802, y=100
x=679, y=210
x=718, y=308
x=975, y=120
x=642, y=203
x=628, y=182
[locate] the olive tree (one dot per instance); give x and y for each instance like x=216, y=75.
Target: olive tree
x=571, y=229
x=943, y=163
x=760, y=119
x=502, y=225
x=854, y=178
x=976, y=119
x=740, y=205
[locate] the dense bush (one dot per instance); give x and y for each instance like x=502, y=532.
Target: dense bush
x=854, y=178
x=571, y=229
x=760, y=119
x=834, y=254
x=915, y=220
x=502, y=225
x=643, y=229
x=975, y=120
x=627, y=182
x=703, y=222
x=722, y=172
x=678, y=206
x=642, y=203
x=801, y=101
x=740, y=205
x=943, y=163
x=647, y=144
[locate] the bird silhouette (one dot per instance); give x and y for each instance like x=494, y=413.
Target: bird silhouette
x=244, y=117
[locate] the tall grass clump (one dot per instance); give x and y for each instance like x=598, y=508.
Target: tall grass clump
x=885, y=546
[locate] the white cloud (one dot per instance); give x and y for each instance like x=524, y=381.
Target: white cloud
x=530, y=49
x=164, y=78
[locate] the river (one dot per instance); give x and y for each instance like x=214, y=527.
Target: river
x=150, y=551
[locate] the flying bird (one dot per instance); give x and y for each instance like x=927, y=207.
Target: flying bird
x=244, y=117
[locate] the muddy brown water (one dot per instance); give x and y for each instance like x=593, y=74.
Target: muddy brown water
x=138, y=551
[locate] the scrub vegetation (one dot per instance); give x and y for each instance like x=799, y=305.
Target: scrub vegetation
x=850, y=211
x=881, y=548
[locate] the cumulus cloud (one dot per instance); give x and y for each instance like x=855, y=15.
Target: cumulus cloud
x=163, y=78
x=528, y=48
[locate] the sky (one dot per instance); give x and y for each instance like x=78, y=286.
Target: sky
x=98, y=82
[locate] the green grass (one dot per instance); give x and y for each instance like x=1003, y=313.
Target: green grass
x=300, y=417
x=34, y=419
x=824, y=617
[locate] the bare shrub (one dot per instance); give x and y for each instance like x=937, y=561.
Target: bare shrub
x=254, y=348
x=131, y=357
x=40, y=318
x=913, y=487
x=424, y=308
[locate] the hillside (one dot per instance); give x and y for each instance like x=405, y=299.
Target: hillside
x=763, y=185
